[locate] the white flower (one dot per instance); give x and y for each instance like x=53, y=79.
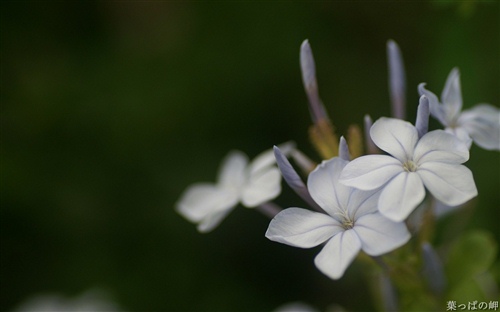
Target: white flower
x=480, y=124
x=92, y=300
x=352, y=222
x=434, y=161
x=238, y=181
x=295, y=307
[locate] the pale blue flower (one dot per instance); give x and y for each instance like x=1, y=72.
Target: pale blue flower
x=480, y=124
x=433, y=161
x=239, y=181
x=351, y=222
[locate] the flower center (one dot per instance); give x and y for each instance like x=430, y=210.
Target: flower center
x=348, y=224
x=410, y=166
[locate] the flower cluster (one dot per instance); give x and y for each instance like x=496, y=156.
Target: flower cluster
x=351, y=222
x=252, y=184
x=360, y=201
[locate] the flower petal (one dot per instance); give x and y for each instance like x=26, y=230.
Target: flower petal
x=396, y=137
x=441, y=146
x=451, y=97
x=370, y=172
x=362, y=203
x=202, y=199
x=461, y=133
x=232, y=171
x=302, y=228
x=435, y=107
x=212, y=220
x=380, y=235
x=451, y=184
x=401, y=196
x=338, y=253
x=262, y=187
x=482, y=122
x=324, y=187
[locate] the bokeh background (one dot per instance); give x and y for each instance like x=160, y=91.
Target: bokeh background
x=109, y=110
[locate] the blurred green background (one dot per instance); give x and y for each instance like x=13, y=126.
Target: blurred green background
x=111, y=109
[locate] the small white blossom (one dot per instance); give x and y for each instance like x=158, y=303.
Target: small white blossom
x=352, y=222
x=239, y=181
x=295, y=307
x=433, y=161
x=92, y=300
x=480, y=124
